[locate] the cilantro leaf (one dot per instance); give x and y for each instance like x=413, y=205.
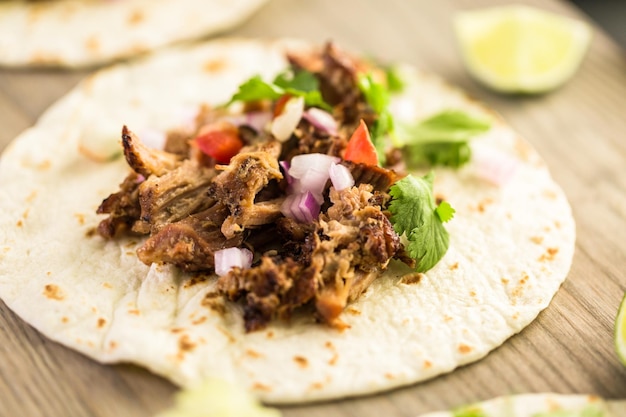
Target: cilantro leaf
x=449, y=125
x=256, y=89
x=301, y=83
x=377, y=96
x=445, y=211
x=441, y=139
x=450, y=154
x=415, y=214
x=395, y=83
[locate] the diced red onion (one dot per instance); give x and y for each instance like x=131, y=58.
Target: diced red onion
x=287, y=207
x=285, y=123
x=302, y=207
x=322, y=120
x=285, y=167
x=301, y=164
x=307, y=176
x=227, y=259
x=187, y=116
x=403, y=108
x=312, y=181
x=258, y=120
x=340, y=176
x=309, y=207
x=492, y=165
x=152, y=138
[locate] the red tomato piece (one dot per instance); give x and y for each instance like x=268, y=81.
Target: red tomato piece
x=279, y=106
x=360, y=148
x=220, y=141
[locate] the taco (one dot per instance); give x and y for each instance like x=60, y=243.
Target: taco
x=328, y=287
x=73, y=33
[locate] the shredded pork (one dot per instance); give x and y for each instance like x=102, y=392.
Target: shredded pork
x=189, y=207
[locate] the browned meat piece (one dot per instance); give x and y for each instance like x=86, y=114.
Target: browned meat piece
x=312, y=140
x=144, y=160
x=237, y=186
x=292, y=230
x=359, y=243
x=174, y=196
x=380, y=178
x=123, y=208
x=189, y=244
x=177, y=143
x=336, y=73
x=273, y=289
x=336, y=261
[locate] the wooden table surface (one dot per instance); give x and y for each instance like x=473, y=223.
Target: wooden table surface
x=580, y=130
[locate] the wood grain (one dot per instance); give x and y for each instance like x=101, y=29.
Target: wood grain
x=580, y=131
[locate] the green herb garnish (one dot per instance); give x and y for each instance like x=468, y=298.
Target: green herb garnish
x=415, y=214
x=296, y=83
x=395, y=83
x=442, y=139
x=469, y=411
x=377, y=96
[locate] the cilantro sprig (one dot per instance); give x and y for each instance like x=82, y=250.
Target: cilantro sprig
x=296, y=83
x=415, y=214
x=442, y=139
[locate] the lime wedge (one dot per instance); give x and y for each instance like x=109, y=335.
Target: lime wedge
x=519, y=49
x=620, y=331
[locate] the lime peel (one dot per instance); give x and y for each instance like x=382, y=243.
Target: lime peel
x=520, y=49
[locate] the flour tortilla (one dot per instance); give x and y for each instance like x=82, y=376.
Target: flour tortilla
x=510, y=249
x=73, y=33
x=539, y=405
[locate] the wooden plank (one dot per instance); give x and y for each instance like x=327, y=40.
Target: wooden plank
x=578, y=129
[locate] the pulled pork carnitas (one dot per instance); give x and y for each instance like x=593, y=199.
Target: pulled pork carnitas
x=290, y=182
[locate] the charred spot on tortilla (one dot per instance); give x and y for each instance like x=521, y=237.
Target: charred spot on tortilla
x=215, y=301
x=185, y=344
x=253, y=353
x=92, y=44
x=199, y=320
x=413, y=278
x=135, y=17
x=53, y=292
x=215, y=65
x=549, y=255
x=301, y=361
x=464, y=349
x=195, y=279
x=258, y=386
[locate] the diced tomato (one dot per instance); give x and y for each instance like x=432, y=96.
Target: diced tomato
x=220, y=141
x=360, y=148
x=279, y=106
